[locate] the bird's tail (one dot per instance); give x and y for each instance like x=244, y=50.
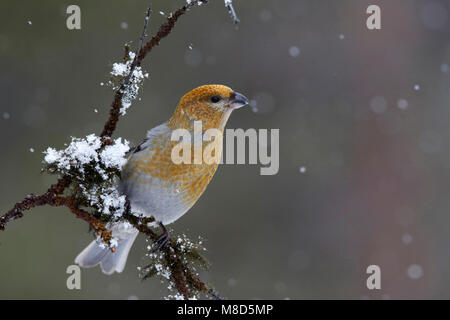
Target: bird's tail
x=109, y=261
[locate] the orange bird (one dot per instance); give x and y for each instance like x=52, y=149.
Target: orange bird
x=158, y=186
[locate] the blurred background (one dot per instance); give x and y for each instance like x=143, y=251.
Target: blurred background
x=364, y=143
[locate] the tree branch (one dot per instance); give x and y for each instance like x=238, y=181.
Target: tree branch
x=231, y=11
x=184, y=279
x=164, y=31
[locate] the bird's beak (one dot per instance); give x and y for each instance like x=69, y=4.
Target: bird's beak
x=237, y=100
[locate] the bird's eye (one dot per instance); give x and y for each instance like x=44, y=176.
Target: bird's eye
x=215, y=99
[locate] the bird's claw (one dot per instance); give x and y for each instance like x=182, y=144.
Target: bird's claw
x=162, y=240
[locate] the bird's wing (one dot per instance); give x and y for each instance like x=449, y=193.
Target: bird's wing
x=151, y=134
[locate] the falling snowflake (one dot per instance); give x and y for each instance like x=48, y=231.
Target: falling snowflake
x=294, y=51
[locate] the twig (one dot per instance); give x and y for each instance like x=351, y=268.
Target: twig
x=141, y=41
x=114, y=113
x=32, y=201
x=166, y=28
x=74, y=205
x=28, y=203
x=181, y=274
x=164, y=31
x=231, y=11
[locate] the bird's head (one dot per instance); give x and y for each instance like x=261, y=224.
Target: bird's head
x=211, y=104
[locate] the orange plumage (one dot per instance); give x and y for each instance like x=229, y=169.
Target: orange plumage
x=191, y=179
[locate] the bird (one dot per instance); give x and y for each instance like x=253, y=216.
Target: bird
x=154, y=184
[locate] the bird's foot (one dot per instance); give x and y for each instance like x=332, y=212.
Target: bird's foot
x=162, y=240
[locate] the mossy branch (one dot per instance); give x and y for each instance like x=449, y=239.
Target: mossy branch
x=177, y=260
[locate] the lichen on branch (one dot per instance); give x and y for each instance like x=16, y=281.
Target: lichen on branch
x=89, y=169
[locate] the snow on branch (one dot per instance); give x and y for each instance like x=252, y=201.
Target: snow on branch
x=231, y=11
x=88, y=169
